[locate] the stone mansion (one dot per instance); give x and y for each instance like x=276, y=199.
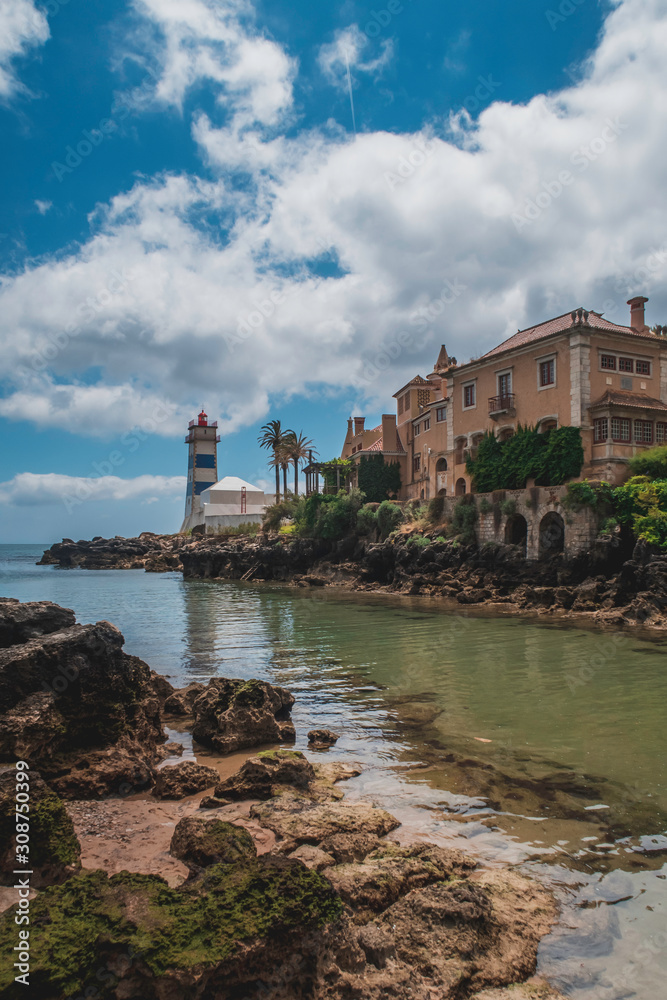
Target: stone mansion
x=578, y=369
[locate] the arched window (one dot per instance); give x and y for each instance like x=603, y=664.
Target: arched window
x=461, y=488
x=441, y=465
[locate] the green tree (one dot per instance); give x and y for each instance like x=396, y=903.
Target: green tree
x=272, y=437
x=298, y=448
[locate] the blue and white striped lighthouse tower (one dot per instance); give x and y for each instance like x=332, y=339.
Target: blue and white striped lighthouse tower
x=202, y=442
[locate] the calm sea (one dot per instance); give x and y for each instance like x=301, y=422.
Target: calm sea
x=413, y=689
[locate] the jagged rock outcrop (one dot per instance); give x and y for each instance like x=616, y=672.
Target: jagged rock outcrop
x=259, y=777
x=79, y=709
x=176, y=781
x=322, y=738
x=234, y=715
x=202, y=842
x=154, y=553
x=54, y=851
x=20, y=622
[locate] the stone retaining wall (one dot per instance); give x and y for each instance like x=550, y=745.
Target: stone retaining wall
x=549, y=525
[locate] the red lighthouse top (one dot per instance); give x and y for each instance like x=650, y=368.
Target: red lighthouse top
x=203, y=419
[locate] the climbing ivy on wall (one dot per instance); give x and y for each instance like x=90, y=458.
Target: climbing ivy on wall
x=379, y=480
x=550, y=458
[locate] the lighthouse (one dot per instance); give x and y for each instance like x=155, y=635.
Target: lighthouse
x=202, y=441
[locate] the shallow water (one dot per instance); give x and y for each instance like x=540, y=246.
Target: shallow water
x=527, y=741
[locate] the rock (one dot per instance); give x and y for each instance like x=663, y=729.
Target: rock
x=259, y=927
x=234, y=715
x=20, y=622
x=347, y=847
x=322, y=737
x=163, y=689
x=176, y=781
x=74, y=703
x=298, y=819
x=258, y=776
x=55, y=851
x=391, y=871
x=181, y=700
x=535, y=989
x=202, y=842
x=313, y=857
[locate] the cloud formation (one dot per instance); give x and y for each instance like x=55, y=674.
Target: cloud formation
x=346, y=51
x=35, y=490
x=22, y=27
x=340, y=264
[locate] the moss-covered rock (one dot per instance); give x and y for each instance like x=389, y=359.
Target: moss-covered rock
x=55, y=851
x=233, y=714
x=145, y=935
x=202, y=842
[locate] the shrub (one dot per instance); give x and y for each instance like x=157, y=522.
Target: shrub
x=508, y=507
x=651, y=463
x=550, y=458
x=418, y=541
x=277, y=512
x=367, y=521
x=587, y=494
x=389, y=516
x=377, y=479
x=642, y=504
x=463, y=522
x=485, y=507
x=435, y=510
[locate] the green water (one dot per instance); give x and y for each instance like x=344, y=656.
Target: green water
x=525, y=740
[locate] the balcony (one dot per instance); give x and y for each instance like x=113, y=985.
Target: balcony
x=501, y=405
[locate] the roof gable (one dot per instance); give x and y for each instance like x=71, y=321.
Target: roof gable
x=558, y=325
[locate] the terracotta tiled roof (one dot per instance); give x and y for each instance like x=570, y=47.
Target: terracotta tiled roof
x=558, y=325
x=618, y=397
x=378, y=445
x=417, y=380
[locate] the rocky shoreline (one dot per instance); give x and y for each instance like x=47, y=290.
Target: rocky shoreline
x=612, y=584
x=278, y=887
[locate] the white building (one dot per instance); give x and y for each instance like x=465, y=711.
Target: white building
x=229, y=503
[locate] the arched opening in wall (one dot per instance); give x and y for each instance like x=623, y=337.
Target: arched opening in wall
x=441, y=465
x=552, y=534
x=442, y=492
x=474, y=444
x=548, y=425
x=506, y=434
x=461, y=488
x=516, y=531
x=441, y=476
x=459, y=452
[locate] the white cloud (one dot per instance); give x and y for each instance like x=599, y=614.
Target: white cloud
x=30, y=489
x=172, y=306
x=190, y=42
x=43, y=206
x=22, y=26
x=346, y=51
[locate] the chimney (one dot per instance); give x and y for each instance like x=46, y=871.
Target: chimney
x=389, y=440
x=359, y=425
x=637, y=312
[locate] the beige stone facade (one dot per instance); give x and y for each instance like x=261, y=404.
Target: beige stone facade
x=578, y=369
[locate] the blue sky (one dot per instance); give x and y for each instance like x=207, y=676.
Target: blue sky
x=187, y=218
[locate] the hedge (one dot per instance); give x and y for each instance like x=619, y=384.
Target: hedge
x=550, y=458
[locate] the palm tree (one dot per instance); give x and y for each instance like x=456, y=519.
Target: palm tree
x=273, y=439
x=298, y=447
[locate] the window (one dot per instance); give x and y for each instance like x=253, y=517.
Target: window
x=427, y=424
x=468, y=395
x=418, y=429
x=643, y=432
x=643, y=367
x=416, y=463
x=505, y=384
x=601, y=427
x=401, y=400
x=608, y=361
x=620, y=429
x=548, y=372
x=441, y=414
x=660, y=433
x=626, y=365
x=406, y=402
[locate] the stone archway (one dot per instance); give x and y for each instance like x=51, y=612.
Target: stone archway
x=441, y=476
x=461, y=488
x=516, y=531
x=552, y=534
